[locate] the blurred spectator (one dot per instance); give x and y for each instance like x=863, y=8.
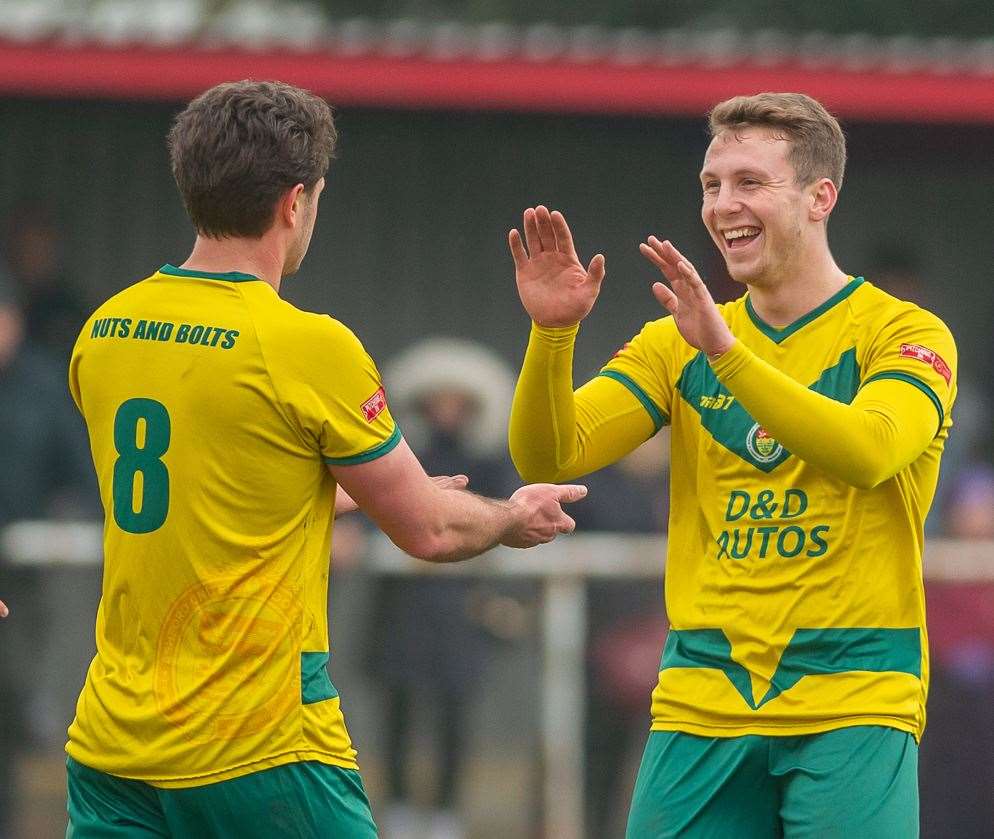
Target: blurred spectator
x=971, y=507
x=438, y=635
x=46, y=471
x=957, y=765
x=43, y=447
x=627, y=627
x=54, y=307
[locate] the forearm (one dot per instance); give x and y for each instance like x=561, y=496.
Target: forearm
x=862, y=443
x=464, y=525
x=542, y=431
x=557, y=434
x=435, y=520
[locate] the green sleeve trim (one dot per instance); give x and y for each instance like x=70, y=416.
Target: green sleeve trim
x=383, y=448
x=918, y=383
x=659, y=419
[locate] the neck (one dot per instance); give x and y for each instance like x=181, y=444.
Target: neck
x=797, y=289
x=258, y=257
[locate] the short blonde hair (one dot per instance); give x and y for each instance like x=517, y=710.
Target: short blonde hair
x=818, y=146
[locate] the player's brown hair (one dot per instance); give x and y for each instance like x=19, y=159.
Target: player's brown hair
x=239, y=146
x=818, y=146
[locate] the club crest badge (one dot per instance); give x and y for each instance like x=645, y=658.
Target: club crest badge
x=762, y=445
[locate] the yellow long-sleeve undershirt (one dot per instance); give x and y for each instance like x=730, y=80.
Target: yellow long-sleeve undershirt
x=557, y=434
x=887, y=425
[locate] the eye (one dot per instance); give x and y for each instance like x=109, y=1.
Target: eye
x=749, y=183
x=711, y=186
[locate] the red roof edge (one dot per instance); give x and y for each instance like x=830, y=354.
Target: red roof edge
x=555, y=86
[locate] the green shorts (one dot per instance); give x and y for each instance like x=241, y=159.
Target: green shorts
x=296, y=801
x=851, y=783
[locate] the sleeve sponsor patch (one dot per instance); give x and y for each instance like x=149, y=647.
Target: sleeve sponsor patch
x=375, y=405
x=929, y=357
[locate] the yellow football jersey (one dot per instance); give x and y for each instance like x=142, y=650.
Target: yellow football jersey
x=796, y=600
x=212, y=408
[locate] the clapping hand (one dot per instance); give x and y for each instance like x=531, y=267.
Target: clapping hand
x=687, y=299
x=555, y=289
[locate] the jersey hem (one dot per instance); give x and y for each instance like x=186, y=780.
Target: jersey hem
x=297, y=756
x=785, y=730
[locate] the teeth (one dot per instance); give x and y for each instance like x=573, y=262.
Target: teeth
x=739, y=232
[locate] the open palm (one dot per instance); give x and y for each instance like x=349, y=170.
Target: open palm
x=555, y=288
x=687, y=299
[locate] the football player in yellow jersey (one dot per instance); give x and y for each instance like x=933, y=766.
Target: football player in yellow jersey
x=808, y=418
x=223, y=422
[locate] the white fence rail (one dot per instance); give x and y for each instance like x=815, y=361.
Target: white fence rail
x=562, y=567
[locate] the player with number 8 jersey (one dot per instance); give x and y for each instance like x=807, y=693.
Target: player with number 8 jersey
x=212, y=650
x=227, y=429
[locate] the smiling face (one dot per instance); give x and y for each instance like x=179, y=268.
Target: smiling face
x=759, y=217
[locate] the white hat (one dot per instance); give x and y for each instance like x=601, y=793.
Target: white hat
x=437, y=364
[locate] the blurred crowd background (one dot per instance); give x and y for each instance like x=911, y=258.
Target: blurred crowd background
x=441, y=676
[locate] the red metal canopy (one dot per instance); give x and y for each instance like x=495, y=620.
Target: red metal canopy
x=511, y=84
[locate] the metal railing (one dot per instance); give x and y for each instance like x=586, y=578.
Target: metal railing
x=562, y=567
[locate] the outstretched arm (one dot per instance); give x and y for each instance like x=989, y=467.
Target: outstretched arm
x=344, y=502
x=887, y=425
x=555, y=434
x=446, y=524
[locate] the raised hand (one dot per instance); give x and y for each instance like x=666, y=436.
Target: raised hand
x=687, y=299
x=555, y=288
x=539, y=514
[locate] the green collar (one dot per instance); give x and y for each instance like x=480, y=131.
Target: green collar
x=230, y=276
x=778, y=335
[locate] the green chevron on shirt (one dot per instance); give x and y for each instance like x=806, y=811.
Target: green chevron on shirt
x=811, y=652
x=730, y=424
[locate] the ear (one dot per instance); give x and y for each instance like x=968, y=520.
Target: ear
x=822, y=194
x=290, y=205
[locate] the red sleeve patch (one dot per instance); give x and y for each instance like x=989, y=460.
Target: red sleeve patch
x=375, y=405
x=929, y=357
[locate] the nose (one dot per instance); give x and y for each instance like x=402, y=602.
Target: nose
x=725, y=202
